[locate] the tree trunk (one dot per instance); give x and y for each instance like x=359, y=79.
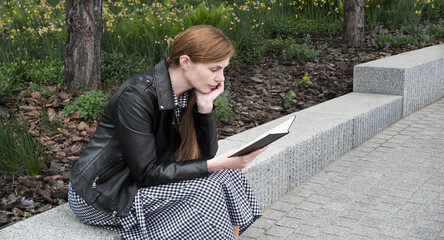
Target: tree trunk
x=354, y=22
x=82, y=49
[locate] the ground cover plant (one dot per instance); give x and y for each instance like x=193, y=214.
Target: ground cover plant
x=289, y=57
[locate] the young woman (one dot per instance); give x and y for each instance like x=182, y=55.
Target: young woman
x=150, y=171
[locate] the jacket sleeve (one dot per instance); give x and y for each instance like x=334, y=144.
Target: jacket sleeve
x=206, y=132
x=133, y=120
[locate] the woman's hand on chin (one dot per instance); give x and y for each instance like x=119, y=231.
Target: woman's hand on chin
x=205, y=100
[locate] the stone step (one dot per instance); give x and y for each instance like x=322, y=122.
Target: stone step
x=418, y=76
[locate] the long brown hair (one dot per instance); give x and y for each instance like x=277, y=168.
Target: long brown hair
x=202, y=44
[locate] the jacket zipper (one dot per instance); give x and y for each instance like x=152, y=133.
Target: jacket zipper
x=105, y=175
x=114, y=218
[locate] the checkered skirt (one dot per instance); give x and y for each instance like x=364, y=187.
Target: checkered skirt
x=202, y=208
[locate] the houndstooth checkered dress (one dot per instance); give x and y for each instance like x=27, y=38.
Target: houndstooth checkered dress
x=202, y=208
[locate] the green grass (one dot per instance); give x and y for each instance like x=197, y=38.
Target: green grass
x=20, y=153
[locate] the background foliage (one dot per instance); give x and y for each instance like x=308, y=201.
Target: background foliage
x=138, y=33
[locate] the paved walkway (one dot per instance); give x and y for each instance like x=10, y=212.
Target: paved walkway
x=390, y=187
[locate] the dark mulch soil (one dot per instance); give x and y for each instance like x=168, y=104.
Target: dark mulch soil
x=254, y=88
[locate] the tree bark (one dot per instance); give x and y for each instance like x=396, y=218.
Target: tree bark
x=82, y=49
x=354, y=22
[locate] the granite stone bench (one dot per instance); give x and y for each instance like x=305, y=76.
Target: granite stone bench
x=418, y=76
x=385, y=91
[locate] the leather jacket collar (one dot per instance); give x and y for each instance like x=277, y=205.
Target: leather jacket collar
x=162, y=82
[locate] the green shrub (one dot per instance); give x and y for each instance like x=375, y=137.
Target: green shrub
x=406, y=36
x=11, y=78
x=90, y=104
x=302, y=52
x=224, y=108
x=216, y=17
x=289, y=97
x=46, y=71
x=290, y=50
x=291, y=27
x=116, y=67
x=436, y=30
x=305, y=81
x=18, y=149
x=14, y=75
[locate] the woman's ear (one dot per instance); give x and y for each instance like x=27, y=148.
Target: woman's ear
x=184, y=62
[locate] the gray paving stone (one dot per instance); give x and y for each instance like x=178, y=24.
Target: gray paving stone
x=380, y=214
x=400, y=193
x=401, y=223
x=436, y=208
x=326, y=236
x=336, y=230
x=436, y=180
x=387, y=207
x=360, y=207
x=376, y=192
x=408, y=214
x=307, y=230
x=289, y=222
x=291, y=199
x=279, y=231
x=252, y=232
x=407, y=187
x=269, y=237
x=301, y=192
x=423, y=233
x=309, y=206
x=263, y=223
x=345, y=222
x=299, y=214
x=370, y=200
x=423, y=197
x=246, y=238
x=295, y=236
x=282, y=206
x=383, y=237
x=414, y=207
x=273, y=214
x=315, y=198
x=329, y=192
x=365, y=231
x=372, y=222
x=320, y=222
x=353, y=214
x=312, y=186
x=435, y=226
x=394, y=200
x=334, y=185
x=357, y=237
x=318, y=179
x=434, y=216
x=399, y=233
x=335, y=206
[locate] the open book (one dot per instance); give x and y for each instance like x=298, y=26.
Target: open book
x=265, y=139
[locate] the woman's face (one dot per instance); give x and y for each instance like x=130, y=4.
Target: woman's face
x=205, y=77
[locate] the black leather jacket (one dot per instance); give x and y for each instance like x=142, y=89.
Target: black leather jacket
x=134, y=141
